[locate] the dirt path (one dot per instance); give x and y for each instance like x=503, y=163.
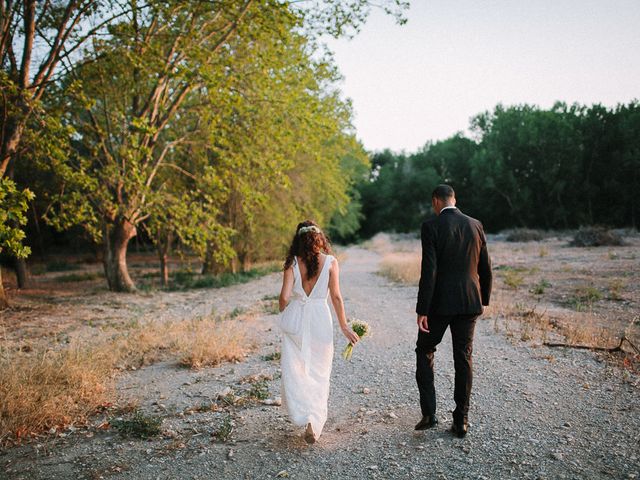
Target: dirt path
x=536, y=412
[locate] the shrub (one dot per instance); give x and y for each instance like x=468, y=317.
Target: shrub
x=524, y=235
x=224, y=431
x=138, y=425
x=270, y=357
x=596, y=237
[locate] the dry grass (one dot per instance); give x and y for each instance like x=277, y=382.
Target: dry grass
x=47, y=388
x=210, y=342
x=588, y=334
x=544, y=292
x=401, y=267
x=380, y=243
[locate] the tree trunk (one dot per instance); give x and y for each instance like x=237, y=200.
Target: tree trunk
x=4, y=302
x=245, y=261
x=22, y=273
x=36, y=223
x=9, y=147
x=116, y=237
x=163, y=252
x=164, y=270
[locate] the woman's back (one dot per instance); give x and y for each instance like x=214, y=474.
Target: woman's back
x=317, y=286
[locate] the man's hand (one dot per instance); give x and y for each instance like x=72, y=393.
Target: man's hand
x=423, y=323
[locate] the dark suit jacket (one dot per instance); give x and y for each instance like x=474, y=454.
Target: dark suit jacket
x=456, y=270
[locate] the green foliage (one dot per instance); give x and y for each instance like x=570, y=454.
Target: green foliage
x=259, y=390
x=224, y=431
x=214, y=143
x=13, y=205
x=138, y=425
x=398, y=192
x=530, y=168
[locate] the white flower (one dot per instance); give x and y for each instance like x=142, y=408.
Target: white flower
x=310, y=228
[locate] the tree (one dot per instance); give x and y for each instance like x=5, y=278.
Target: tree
x=36, y=40
x=137, y=88
x=287, y=140
x=526, y=165
x=12, y=217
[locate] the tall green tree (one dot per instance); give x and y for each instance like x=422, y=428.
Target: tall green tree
x=38, y=41
x=139, y=86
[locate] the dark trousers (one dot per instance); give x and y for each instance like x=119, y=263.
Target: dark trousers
x=462, y=328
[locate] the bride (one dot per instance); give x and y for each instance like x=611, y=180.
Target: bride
x=311, y=274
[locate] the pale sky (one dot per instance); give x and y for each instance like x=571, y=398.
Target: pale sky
x=456, y=58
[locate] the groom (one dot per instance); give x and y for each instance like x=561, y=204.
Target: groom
x=455, y=283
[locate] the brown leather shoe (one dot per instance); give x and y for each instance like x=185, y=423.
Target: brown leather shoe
x=428, y=421
x=459, y=429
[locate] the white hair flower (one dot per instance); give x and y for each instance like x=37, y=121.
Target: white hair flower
x=310, y=228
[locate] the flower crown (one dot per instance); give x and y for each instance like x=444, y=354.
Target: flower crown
x=309, y=228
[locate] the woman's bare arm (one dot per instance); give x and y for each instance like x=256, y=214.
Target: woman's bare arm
x=287, y=288
x=338, y=304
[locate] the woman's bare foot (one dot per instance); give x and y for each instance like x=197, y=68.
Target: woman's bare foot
x=309, y=436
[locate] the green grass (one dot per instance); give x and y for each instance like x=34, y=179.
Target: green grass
x=184, y=280
x=539, y=288
x=513, y=279
x=138, y=425
x=78, y=277
x=584, y=297
x=272, y=356
x=60, y=266
x=514, y=276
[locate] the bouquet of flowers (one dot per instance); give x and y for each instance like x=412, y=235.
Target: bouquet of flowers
x=362, y=329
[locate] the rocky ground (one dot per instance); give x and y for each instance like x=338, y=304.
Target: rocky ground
x=537, y=412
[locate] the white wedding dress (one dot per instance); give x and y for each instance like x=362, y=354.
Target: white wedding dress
x=307, y=351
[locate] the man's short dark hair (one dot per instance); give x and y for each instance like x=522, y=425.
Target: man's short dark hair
x=443, y=192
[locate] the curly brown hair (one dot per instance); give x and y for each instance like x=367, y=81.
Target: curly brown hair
x=308, y=246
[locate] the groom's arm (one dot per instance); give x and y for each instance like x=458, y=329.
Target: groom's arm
x=484, y=270
x=428, y=271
